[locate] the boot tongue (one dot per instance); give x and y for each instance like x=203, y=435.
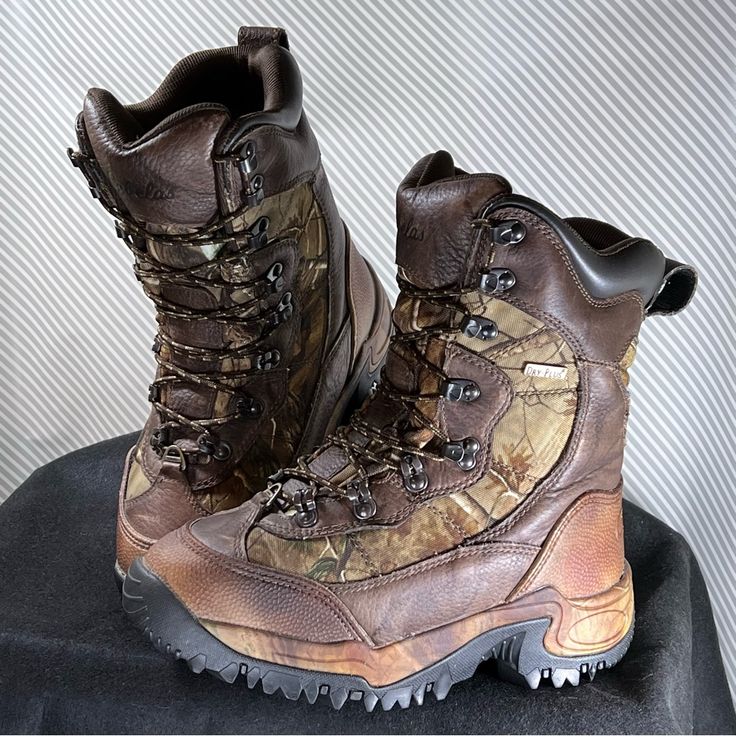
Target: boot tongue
x=164, y=176
x=435, y=206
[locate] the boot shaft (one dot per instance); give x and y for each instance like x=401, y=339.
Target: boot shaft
x=554, y=305
x=217, y=187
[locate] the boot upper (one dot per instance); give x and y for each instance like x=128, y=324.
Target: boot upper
x=502, y=408
x=217, y=187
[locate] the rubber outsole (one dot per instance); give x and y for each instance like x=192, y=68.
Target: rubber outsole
x=518, y=650
x=119, y=575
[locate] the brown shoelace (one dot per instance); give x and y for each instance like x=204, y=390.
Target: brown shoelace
x=148, y=270
x=372, y=451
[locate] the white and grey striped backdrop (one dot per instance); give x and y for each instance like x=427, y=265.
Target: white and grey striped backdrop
x=617, y=109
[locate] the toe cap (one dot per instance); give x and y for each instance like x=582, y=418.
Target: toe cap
x=222, y=587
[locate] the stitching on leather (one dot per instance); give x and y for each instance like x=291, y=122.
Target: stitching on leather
x=558, y=326
x=218, y=560
x=459, y=553
x=137, y=540
x=627, y=403
x=330, y=227
x=631, y=339
x=145, y=496
x=553, y=239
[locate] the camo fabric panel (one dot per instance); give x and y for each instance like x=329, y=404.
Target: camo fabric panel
x=277, y=445
x=628, y=360
x=528, y=440
x=530, y=437
x=294, y=214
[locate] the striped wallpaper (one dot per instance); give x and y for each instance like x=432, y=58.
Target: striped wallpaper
x=621, y=110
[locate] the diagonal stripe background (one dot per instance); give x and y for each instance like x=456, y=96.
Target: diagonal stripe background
x=621, y=110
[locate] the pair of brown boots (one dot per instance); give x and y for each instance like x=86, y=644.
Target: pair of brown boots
x=471, y=507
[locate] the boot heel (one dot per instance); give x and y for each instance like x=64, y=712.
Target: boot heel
x=581, y=637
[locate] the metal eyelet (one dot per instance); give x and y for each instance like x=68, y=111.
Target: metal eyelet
x=160, y=438
x=249, y=407
x=219, y=450
x=364, y=506
x=497, y=280
x=275, y=490
x=255, y=194
x=206, y=444
x=247, y=162
x=508, y=232
x=463, y=452
x=413, y=473
x=258, y=233
x=268, y=360
x=479, y=327
x=283, y=312
x=275, y=277
x=306, y=508
x=154, y=392
x=460, y=389
x=223, y=451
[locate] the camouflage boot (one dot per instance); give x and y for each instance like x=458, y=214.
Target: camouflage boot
x=472, y=508
x=270, y=323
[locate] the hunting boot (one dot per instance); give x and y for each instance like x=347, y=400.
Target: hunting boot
x=472, y=508
x=270, y=323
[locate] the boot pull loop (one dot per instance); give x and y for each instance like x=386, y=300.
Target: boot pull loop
x=255, y=37
x=675, y=290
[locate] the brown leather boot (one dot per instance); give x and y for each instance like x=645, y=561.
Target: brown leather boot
x=472, y=509
x=270, y=323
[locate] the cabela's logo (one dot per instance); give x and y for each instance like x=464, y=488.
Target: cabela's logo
x=154, y=190
x=409, y=229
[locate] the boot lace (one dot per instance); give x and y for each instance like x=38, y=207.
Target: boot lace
x=152, y=274
x=372, y=451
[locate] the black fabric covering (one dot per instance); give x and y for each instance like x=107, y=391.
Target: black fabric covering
x=71, y=663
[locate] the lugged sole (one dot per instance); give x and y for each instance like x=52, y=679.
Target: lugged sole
x=517, y=648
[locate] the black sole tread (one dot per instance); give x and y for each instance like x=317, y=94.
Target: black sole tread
x=517, y=650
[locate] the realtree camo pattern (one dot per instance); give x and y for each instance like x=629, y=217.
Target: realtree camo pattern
x=628, y=361
x=527, y=441
x=293, y=214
